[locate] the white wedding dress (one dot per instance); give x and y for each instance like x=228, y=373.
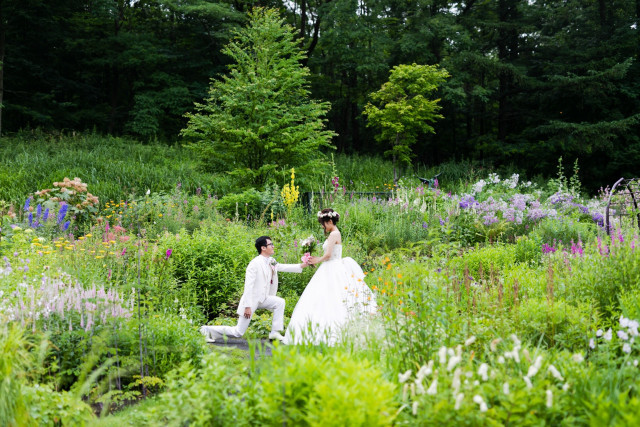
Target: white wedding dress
x=336, y=294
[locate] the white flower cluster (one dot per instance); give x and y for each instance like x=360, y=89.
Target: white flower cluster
x=327, y=214
x=628, y=336
x=309, y=241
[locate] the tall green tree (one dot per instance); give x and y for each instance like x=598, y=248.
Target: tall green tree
x=402, y=108
x=259, y=118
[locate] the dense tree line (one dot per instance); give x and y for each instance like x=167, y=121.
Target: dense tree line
x=530, y=79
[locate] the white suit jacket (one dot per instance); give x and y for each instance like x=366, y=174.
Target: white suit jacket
x=261, y=280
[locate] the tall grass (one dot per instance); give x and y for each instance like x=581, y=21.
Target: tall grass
x=112, y=167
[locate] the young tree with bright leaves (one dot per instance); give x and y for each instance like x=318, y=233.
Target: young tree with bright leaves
x=259, y=118
x=402, y=110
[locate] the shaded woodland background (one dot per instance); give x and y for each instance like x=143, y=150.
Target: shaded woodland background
x=530, y=80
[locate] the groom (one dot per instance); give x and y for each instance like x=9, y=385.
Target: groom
x=260, y=287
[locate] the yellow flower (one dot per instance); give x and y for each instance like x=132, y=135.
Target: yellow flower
x=399, y=276
x=69, y=247
x=89, y=235
x=99, y=256
x=159, y=215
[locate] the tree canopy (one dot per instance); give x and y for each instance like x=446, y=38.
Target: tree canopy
x=258, y=119
x=530, y=80
x=402, y=110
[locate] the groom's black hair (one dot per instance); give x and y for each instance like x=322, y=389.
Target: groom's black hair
x=260, y=242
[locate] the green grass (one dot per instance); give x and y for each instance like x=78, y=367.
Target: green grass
x=112, y=167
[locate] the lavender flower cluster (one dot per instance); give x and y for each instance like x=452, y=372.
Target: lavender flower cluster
x=62, y=296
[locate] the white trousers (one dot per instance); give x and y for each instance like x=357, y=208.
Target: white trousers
x=271, y=303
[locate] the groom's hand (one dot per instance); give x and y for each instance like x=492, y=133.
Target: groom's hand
x=247, y=313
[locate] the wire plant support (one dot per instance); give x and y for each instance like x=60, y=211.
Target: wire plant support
x=622, y=204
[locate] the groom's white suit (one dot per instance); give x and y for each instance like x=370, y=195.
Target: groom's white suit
x=260, y=288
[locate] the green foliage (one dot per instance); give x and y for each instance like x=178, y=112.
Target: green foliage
x=246, y=205
x=212, y=267
x=482, y=262
x=555, y=231
x=555, y=324
x=24, y=401
x=313, y=389
x=32, y=161
x=404, y=109
x=216, y=393
x=529, y=249
x=259, y=119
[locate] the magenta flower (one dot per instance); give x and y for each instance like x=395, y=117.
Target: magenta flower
x=168, y=254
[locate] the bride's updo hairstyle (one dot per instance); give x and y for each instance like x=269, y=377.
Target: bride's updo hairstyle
x=328, y=214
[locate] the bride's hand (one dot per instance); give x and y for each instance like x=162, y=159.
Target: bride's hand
x=313, y=260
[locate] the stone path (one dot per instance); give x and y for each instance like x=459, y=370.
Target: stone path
x=243, y=344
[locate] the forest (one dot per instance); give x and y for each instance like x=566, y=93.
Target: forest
x=529, y=80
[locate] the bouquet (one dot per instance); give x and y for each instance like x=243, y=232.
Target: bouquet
x=308, y=245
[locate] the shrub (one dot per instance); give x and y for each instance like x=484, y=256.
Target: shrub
x=313, y=389
x=212, y=263
x=558, y=324
x=23, y=400
x=217, y=393
x=246, y=205
x=553, y=231
x=488, y=258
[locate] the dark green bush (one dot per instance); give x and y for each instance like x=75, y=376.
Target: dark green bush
x=212, y=263
x=247, y=205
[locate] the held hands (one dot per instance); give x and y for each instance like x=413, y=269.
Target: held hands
x=247, y=312
x=314, y=260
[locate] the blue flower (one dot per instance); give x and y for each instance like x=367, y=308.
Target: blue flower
x=46, y=215
x=30, y=219
x=63, y=212
x=27, y=203
x=66, y=226
x=38, y=211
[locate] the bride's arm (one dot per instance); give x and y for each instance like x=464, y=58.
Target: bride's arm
x=331, y=242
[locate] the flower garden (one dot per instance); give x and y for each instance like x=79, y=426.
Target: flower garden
x=502, y=302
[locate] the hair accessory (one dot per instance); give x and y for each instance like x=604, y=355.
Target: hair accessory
x=327, y=214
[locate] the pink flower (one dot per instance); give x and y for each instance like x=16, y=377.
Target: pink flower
x=168, y=255
x=305, y=258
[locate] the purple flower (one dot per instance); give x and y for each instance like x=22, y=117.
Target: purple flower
x=546, y=249
x=168, y=254
x=45, y=216
x=38, y=211
x=124, y=251
x=598, y=218
x=489, y=218
x=63, y=212
x=468, y=201
x=30, y=219
x=27, y=203
x=424, y=224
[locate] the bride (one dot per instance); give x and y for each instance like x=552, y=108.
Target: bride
x=335, y=295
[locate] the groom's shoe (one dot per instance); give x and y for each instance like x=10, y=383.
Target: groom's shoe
x=207, y=338
x=275, y=335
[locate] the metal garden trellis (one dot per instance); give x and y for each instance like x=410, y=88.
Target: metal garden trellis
x=623, y=202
